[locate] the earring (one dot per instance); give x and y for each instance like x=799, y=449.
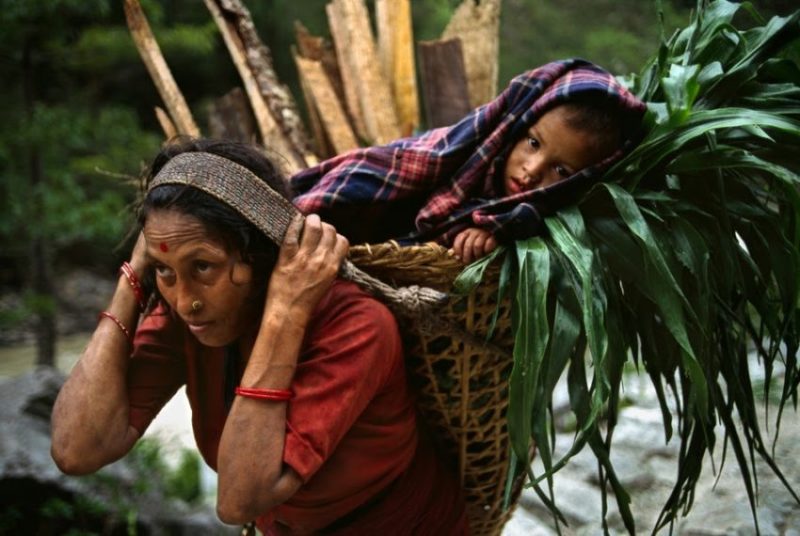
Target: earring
x=197, y=305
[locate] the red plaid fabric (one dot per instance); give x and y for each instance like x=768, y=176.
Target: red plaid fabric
x=444, y=178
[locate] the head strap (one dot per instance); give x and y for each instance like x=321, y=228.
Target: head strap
x=234, y=185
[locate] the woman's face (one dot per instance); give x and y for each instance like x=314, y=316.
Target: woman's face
x=190, y=267
x=551, y=151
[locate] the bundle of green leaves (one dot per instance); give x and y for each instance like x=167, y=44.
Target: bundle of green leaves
x=683, y=262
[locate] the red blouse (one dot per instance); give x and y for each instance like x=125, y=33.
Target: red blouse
x=351, y=430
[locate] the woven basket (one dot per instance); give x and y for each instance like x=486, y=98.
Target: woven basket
x=460, y=379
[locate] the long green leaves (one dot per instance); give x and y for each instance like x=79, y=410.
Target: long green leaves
x=684, y=261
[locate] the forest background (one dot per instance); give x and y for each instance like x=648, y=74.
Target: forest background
x=77, y=121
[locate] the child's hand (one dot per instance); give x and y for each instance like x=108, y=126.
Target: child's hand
x=473, y=243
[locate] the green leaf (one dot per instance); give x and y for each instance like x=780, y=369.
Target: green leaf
x=531, y=329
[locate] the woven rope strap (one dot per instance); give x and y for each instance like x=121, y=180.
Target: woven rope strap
x=271, y=213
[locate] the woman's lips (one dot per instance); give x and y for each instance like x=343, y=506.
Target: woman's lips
x=198, y=327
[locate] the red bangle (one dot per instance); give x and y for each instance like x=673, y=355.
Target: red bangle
x=118, y=322
x=280, y=395
x=130, y=274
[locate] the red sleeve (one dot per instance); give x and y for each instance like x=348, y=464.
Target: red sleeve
x=351, y=350
x=157, y=368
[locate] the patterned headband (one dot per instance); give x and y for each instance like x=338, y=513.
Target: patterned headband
x=234, y=185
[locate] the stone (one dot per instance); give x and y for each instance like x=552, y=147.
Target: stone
x=35, y=496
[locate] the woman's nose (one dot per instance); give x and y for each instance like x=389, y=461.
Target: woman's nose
x=184, y=297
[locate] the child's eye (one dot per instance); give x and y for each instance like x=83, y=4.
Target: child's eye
x=533, y=143
x=563, y=172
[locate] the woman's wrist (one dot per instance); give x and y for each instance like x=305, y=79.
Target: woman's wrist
x=135, y=284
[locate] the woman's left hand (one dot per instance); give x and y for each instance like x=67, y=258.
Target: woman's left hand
x=308, y=263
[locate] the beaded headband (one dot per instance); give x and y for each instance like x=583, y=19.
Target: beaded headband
x=234, y=185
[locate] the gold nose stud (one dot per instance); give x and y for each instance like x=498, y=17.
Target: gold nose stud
x=197, y=305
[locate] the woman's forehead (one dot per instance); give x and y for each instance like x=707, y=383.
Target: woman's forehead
x=166, y=230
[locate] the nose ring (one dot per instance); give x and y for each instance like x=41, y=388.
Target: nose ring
x=197, y=305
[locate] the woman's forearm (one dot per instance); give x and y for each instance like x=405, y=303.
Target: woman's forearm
x=252, y=476
x=90, y=417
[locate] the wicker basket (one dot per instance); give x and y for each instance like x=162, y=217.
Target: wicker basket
x=460, y=378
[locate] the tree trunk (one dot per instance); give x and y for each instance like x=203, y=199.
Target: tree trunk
x=40, y=281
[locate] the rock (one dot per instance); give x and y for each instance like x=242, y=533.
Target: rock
x=647, y=466
x=37, y=498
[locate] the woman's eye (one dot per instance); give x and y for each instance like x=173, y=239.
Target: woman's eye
x=533, y=143
x=162, y=271
x=563, y=172
x=202, y=267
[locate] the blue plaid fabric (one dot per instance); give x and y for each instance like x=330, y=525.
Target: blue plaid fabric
x=447, y=174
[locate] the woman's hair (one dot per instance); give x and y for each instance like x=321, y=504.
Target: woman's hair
x=221, y=221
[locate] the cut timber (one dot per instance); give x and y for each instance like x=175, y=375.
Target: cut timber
x=316, y=48
x=396, y=48
x=181, y=116
x=478, y=27
x=277, y=96
x=166, y=123
x=374, y=93
x=321, y=142
x=341, y=40
x=444, y=82
x=272, y=136
x=230, y=117
x=324, y=101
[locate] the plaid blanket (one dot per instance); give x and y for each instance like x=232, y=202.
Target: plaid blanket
x=444, y=178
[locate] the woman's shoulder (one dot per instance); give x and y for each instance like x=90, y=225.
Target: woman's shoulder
x=348, y=295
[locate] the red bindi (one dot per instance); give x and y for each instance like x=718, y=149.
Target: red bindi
x=163, y=247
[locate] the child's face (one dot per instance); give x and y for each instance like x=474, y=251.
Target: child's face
x=552, y=151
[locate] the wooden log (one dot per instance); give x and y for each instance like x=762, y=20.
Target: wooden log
x=230, y=117
x=444, y=82
x=272, y=136
x=181, y=116
x=317, y=48
x=277, y=95
x=341, y=39
x=166, y=123
x=396, y=51
x=374, y=93
x=322, y=144
x=478, y=27
x=325, y=102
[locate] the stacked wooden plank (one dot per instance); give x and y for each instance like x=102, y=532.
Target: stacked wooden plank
x=360, y=88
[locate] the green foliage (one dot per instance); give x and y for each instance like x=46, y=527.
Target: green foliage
x=683, y=262
x=182, y=482
x=616, y=34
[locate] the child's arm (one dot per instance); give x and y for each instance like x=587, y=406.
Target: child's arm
x=471, y=244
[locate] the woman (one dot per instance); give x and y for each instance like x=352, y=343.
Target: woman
x=295, y=378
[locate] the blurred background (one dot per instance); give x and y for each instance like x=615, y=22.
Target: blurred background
x=77, y=127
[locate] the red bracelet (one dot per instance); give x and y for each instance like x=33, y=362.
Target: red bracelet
x=130, y=274
x=280, y=395
x=118, y=322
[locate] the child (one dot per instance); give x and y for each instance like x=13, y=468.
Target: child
x=491, y=177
